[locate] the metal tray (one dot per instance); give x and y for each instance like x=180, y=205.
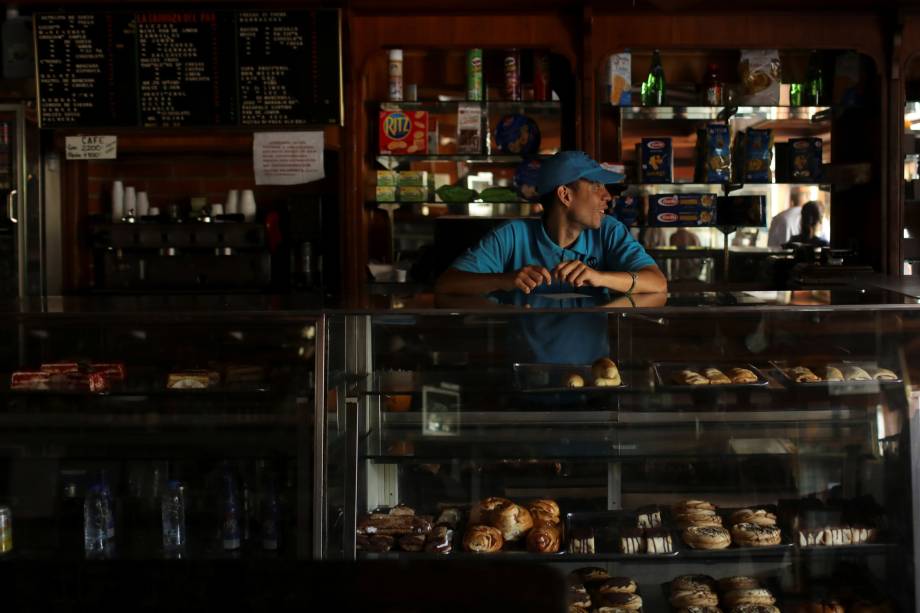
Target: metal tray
x=607, y=526
x=780, y=366
x=550, y=379
x=665, y=370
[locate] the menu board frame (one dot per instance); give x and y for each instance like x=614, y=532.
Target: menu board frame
x=302, y=89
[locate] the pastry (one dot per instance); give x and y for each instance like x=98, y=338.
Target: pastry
x=193, y=379
x=401, y=509
x=412, y=542
x=752, y=535
x=574, y=380
x=759, y=517
x=685, y=506
x=730, y=584
x=592, y=574
x=694, y=598
x=449, y=518
x=742, y=375
x=755, y=608
x=832, y=373
x=882, y=374
x=575, y=609
x=820, y=606
x=648, y=517
x=440, y=540
x=690, y=583
x=698, y=610
x=543, y=538
x=689, y=377
x=605, y=382
x=699, y=520
x=801, y=374
x=378, y=543
x=837, y=535
x=861, y=535
x=605, y=369
x=627, y=602
x=483, y=539
x=579, y=598
x=618, y=585
x=716, y=376
x=544, y=510
x=709, y=537
x=513, y=520
x=855, y=373
x=811, y=537
x=758, y=596
x=582, y=541
x=632, y=540
x=658, y=540
x=481, y=513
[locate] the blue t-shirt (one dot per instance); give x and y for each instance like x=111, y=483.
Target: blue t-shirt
x=524, y=242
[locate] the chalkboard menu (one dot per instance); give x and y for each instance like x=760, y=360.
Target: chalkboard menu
x=189, y=68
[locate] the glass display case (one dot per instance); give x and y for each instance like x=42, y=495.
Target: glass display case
x=144, y=429
x=762, y=436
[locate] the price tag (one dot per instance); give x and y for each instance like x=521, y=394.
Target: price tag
x=92, y=147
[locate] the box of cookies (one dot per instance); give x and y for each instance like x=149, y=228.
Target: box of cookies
x=403, y=132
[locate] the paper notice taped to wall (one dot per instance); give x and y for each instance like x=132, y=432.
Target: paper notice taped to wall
x=287, y=158
x=91, y=147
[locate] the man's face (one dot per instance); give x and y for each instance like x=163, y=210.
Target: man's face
x=587, y=203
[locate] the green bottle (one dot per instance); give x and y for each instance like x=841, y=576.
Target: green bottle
x=814, y=82
x=653, y=90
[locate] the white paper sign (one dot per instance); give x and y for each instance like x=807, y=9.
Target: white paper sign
x=287, y=158
x=91, y=147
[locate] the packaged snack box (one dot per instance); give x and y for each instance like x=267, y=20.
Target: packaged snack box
x=656, y=160
x=682, y=210
x=713, y=151
x=403, y=132
x=414, y=178
x=754, y=155
x=805, y=160
x=386, y=193
x=410, y=193
x=619, y=79
x=387, y=177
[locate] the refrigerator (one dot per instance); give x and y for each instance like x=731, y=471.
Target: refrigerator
x=22, y=248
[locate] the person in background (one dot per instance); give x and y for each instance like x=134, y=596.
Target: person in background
x=811, y=223
x=784, y=225
x=575, y=244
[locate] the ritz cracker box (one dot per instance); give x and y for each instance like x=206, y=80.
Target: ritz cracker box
x=682, y=210
x=403, y=132
x=656, y=160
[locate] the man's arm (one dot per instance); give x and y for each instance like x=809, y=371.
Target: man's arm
x=575, y=272
x=453, y=281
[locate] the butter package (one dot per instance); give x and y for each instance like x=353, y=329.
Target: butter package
x=805, y=160
x=713, y=154
x=386, y=193
x=411, y=193
x=626, y=209
x=403, y=132
x=656, y=160
x=682, y=210
x=413, y=178
x=754, y=155
x=387, y=178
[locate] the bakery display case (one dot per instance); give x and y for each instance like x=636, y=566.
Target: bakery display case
x=718, y=449
x=153, y=428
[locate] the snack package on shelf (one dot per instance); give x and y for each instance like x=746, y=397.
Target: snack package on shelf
x=713, y=154
x=387, y=178
x=412, y=178
x=805, y=160
x=619, y=79
x=682, y=210
x=469, y=128
x=753, y=156
x=656, y=160
x=386, y=193
x=761, y=75
x=403, y=132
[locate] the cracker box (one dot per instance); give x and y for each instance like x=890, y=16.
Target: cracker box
x=403, y=132
x=682, y=210
x=805, y=160
x=413, y=178
x=388, y=178
x=656, y=160
x=626, y=209
x=619, y=79
x=411, y=193
x=713, y=151
x=386, y=193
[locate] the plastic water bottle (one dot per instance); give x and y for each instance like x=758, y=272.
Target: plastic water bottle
x=172, y=505
x=95, y=522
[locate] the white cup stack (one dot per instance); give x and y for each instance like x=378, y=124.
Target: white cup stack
x=232, y=204
x=143, y=204
x=130, y=201
x=248, y=205
x=118, y=201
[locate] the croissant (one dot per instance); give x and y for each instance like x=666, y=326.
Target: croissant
x=482, y=539
x=801, y=374
x=544, y=538
x=883, y=374
x=544, y=511
x=716, y=376
x=855, y=373
x=689, y=377
x=742, y=375
x=832, y=373
x=512, y=520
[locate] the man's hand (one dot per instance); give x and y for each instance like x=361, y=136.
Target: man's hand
x=577, y=274
x=530, y=277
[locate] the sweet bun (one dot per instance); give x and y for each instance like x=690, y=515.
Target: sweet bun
x=574, y=380
x=482, y=539
x=605, y=370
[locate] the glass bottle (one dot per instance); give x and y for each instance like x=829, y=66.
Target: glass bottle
x=713, y=86
x=653, y=90
x=96, y=542
x=814, y=82
x=230, y=525
x=172, y=508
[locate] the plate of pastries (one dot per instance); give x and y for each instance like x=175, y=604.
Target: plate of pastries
x=835, y=373
x=708, y=376
x=704, y=528
x=603, y=373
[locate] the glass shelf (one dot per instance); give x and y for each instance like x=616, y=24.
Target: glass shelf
x=470, y=158
x=703, y=113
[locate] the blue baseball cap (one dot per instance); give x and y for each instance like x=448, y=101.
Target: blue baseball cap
x=568, y=166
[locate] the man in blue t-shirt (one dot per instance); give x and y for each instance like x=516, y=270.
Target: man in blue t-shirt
x=575, y=244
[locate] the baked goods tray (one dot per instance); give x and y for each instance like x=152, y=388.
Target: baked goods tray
x=551, y=379
x=607, y=526
x=733, y=550
x=779, y=367
x=665, y=371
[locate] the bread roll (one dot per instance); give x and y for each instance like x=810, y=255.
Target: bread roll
x=605, y=369
x=544, y=538
x=482, y=513
x=689, y=377
x=544, y=511
x=482, y=539
x=574, y=380
x=512, y=520
x=716, y=376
